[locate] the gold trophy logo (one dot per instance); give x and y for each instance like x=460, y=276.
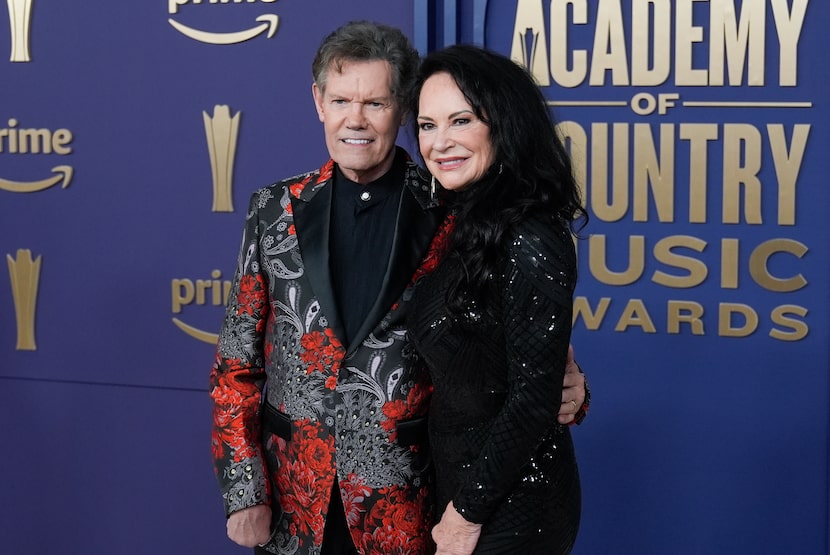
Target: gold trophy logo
x=222, y=131
x=20, y=18
x=25, y=274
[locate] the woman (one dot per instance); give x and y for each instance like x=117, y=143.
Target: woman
x=493, y=320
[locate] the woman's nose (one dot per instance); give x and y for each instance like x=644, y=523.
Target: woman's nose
x=443, y=139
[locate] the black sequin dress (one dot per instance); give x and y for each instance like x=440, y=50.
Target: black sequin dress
x=499, y=453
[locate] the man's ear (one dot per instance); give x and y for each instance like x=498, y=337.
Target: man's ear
x=317, y=94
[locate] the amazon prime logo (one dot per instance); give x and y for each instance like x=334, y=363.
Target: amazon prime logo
x=17, y=140
x=266, y=24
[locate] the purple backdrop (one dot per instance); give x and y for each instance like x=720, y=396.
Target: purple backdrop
x=698, y=442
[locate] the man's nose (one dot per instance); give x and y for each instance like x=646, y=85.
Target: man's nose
x=357, y=116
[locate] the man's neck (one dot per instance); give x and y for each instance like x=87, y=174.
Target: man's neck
x=372, y=174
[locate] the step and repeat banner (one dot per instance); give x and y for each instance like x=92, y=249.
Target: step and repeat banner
x=133, y=133
x=701, y=131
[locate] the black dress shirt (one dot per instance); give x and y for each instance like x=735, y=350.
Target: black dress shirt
x=362, y=228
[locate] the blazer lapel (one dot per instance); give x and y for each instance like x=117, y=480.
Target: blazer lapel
x=415, y=227
x=312, y=216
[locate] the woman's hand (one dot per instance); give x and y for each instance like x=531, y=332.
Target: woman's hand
x=573, y=390
x=455, y=535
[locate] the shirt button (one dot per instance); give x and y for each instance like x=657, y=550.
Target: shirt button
x=365, y=196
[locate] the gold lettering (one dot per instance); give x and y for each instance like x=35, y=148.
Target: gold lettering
x=602, y=208
x=741, y=141
x=183, y=292
x=788, y=25
x=687, y=312
x=726, y=311
x=202, y=286
x=11, y=136
x=186, y=291
x=658, y=173
x=740, y=42
x=780, y=316
x=729, y=264
x=659, y=48
x=734, y=38
x=34, y=141
x=696, y=269
x=698, y=135
x=635, y=314
x=60, y=139
x=608, y=52
x=686, y=36
x=759, y=269
x=563, y=76
x=173, y=5
x=787, y=163
x=592, y=319
x=597, y=261
x=576, y=140
x=216, y=287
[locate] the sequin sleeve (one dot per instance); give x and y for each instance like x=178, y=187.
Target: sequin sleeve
x=537, y=286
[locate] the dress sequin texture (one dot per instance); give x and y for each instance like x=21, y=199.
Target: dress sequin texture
x=497, y=371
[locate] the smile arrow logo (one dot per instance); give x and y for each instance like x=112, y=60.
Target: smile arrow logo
x=196, y=333
x=269, y=23
x=63, y=173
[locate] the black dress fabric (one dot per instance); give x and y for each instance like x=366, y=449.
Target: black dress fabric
x=500, y=456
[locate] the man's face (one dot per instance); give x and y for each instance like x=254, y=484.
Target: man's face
x=361, y=118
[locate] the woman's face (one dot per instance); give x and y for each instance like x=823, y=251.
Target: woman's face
x=454, y=142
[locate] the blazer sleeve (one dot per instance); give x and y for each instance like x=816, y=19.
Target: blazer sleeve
x=538, y=284
x=238, y=376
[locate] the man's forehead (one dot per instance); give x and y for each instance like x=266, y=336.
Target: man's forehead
x=376, y=74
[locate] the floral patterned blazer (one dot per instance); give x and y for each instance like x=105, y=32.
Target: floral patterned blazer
x=295, y=408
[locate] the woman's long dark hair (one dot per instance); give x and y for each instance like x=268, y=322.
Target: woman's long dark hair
x=532, y=169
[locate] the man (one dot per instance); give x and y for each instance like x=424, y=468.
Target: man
x=319, y=401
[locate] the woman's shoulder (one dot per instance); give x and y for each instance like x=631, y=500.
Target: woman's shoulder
x=541, y=247
x=541, y=233
x=541, y=260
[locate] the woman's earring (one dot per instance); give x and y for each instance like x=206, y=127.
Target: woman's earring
x=501, y=167
x=432, y=188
